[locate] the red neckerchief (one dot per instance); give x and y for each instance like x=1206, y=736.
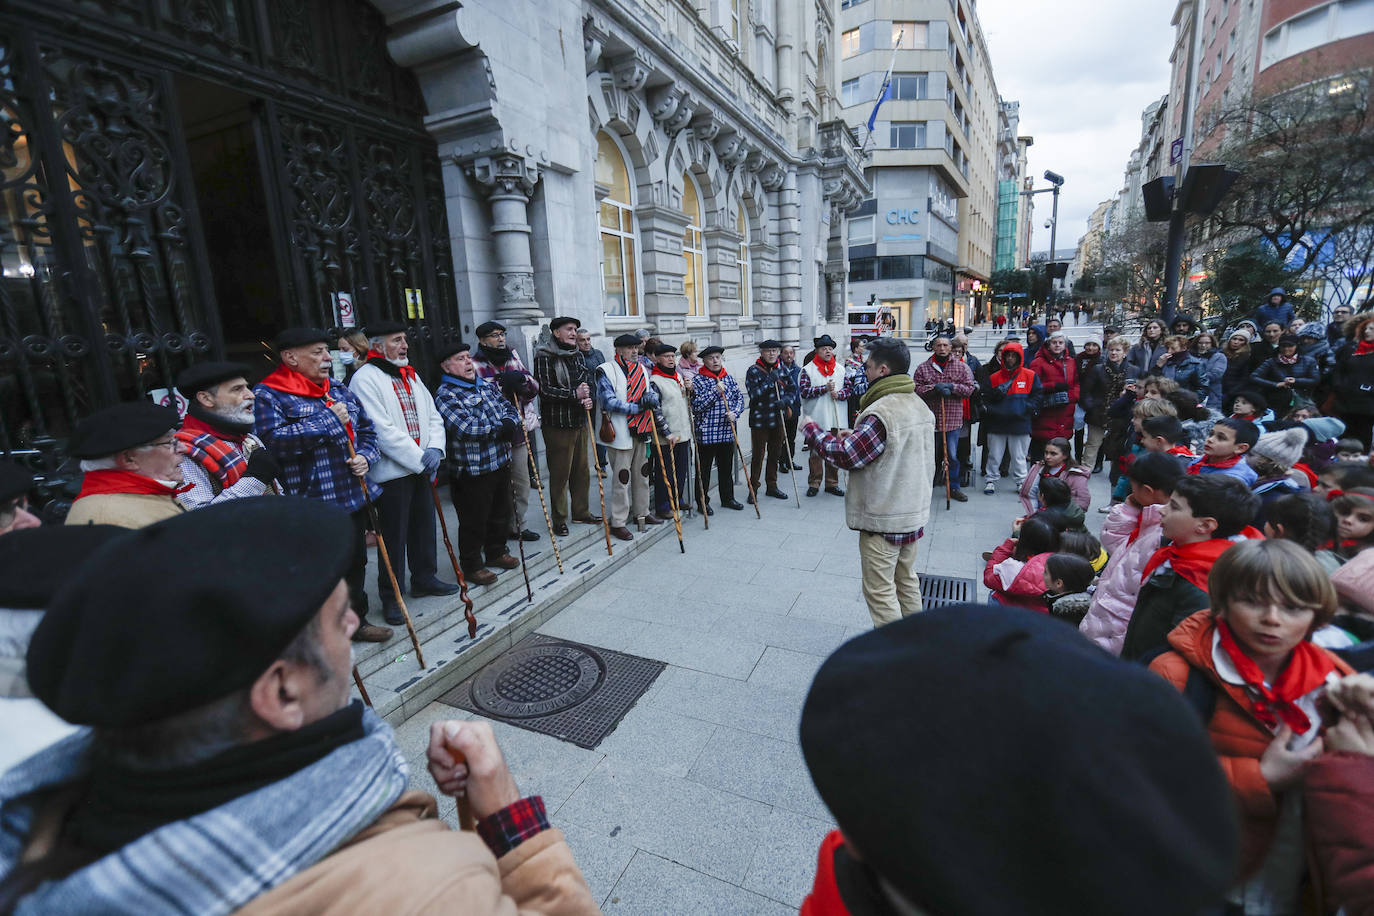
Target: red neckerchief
x=826, y=369
x=663, y=373
x=289, y=381
x=1364, y=348
x=195, y=426
x=1193, y=561
x=1306, y=670
x=718, y=376
x=767, y=367
x=1182, y=451
x=1135, y=532
x=825, y=899
x=110, y=480
x=1223, y=464
x=408, y=374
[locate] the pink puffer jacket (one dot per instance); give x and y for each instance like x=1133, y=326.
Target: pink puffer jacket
x=1076, y=476
x=1119, y=584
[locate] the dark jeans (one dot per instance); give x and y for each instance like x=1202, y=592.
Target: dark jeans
x=790, y=448
x=406, y=512
x=948, y=442
x=483, y=503
x=676, y=457
x=766, y=441
x=723, y=455
x=356, y=576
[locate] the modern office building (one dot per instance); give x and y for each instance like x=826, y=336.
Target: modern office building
x=1014, y=209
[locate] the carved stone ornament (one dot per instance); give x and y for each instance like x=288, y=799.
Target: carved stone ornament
x=664, y=102
x=678, y=121
x=772, y=176
x=516, y=286
x=504, y=174
x=727, y=146
x=704, y=125
x=630, y=72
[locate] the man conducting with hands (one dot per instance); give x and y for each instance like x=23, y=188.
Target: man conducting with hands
x=308, y=423
x=247, y=754
x=891, y=462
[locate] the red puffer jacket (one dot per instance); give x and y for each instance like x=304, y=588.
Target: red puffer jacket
x=1054, y=421
x=1027, y=588
x=1338, y=797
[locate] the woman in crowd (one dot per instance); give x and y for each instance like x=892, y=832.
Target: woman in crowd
x=1088, y=394
x=1353, y=383
x=1237, y=354
x=1267, y=346
x=1058, y=376
x=1145, y=354
x=1214, y=366
x=1286, y=376
x=1096, y=393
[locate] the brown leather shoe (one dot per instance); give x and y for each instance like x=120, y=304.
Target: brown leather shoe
x=369, y=632
x=588, y=520
x=622, y=533
x=652, y=519
x=505, y=562
x=482, y=576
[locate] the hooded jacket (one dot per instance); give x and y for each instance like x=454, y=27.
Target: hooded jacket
x=1010, y=398
x=1027, y=587
x=1074, y=476
x=1033, y=349
x=1282, y=313
x=1119, y=585
x=1186, y=369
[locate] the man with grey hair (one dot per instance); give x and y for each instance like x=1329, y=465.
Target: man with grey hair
x=410, y=437
x=221, y=458
x=132, y=466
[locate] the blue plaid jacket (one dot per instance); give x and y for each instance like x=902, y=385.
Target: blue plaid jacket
x=713, y=426
x=311, y=445
x=769, y=392
x=472, y=414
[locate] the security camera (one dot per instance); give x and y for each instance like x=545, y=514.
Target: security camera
x=1048, y=223
x=1054, y=178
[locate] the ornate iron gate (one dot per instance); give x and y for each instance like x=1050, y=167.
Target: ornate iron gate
x=107, y=290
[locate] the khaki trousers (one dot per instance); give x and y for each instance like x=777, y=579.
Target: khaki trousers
x=569, y=472
x=629, y=484
x=519, y=483
x=890, y=584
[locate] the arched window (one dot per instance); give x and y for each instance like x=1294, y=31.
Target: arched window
x=619, y=288
x=694, y=278
x=745, y=265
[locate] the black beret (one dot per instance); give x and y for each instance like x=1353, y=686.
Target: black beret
x=386, y=328
x=15, y=480
x=447, y=350
x=300, y=337
x=664, y=348
x=35, y=562
x=562, y=320
x=122, y=426
x=770, y=344
x=825, y=340
x=972, y=741
x=628, y=340
x=713, y=349
x=489, y=327
x=218, y=593
x=208, y=375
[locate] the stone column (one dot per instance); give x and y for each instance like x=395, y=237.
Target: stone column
x=723, y=282
x=834, y=288
x=663, y=266
x=508, y=181
x=789, y=253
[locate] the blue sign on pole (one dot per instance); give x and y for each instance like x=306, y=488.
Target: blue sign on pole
x=1176, y=151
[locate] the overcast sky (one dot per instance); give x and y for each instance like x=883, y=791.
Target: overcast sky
x=1082, y=70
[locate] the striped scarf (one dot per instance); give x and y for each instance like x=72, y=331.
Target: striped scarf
x=221, y=457
x=636, y=383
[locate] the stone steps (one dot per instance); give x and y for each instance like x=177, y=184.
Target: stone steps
x=394, y=681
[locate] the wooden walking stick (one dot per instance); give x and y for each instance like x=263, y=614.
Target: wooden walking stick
x=694, y=466
x=944, y=465
x=600, y=484
x=520, y=538
x=668, y=484
x=539, y=485
x=382, y=552
x=790, y=471
x=457, y=570
x=358, y=682
x=465, y=819
x=748, y=482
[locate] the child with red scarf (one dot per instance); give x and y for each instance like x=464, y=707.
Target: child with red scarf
x=1224, y=453
x=1253, y=649
x=1203, y=517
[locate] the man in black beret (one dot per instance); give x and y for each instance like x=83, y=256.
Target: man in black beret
x=674, y=394
x=503, y=367
x=770, y=391
x=482, y=425
x=825, y=388
x=324, y=441
x=221, y=458
x=964, y=754
x=34, y=563
x=628, y=400
x=15, y=483
x=231, y=739
x=131, y=463
x=565, y=399
x=410, y=440
x=717, y=403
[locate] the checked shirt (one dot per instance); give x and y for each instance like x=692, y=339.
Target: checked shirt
x=311, y=445
x=472, y=414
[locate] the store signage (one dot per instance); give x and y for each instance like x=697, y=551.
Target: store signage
x=907, y=215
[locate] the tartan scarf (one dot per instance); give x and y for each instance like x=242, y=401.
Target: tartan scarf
x=112, y=481
x=219, y=453
x=1306, y=670
x=289, y=381
x=636, y=383
x=241, y=849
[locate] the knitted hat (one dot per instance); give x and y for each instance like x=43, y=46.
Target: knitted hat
x=1284, y=447
x=977, y=741
x=1313, y=329
x=1324, y=429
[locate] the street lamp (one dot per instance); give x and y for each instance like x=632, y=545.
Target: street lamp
x=1056, y=181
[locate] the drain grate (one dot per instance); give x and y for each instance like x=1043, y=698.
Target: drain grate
x=942, y=591
x=567, y=690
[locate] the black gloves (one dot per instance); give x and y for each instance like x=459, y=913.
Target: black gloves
x=945, y=390
x=508, y=430
x=510, y=380
x=263, y=466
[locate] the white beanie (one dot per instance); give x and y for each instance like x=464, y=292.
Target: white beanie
x=1284, y=447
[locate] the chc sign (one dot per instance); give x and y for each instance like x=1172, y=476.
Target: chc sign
x=910, y=216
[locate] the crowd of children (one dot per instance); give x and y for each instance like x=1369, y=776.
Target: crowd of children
x=1234, y=561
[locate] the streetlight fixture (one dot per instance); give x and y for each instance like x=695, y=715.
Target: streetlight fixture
x=1052, y=267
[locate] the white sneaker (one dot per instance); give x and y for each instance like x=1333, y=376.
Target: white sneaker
x=990, y=489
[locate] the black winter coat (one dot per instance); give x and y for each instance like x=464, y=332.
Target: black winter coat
x=1353, y=383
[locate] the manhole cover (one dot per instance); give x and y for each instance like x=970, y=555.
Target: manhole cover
x=537, y=681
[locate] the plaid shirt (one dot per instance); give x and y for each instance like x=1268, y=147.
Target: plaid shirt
x=473, y=415
x=311, y=445
x=949, y=411
x=406, y=397
x=489, y=371
x=769, y=392
x=854, y=451
x=810, y=392
x=713, y=426
x=559, y=406
x=513, y=825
